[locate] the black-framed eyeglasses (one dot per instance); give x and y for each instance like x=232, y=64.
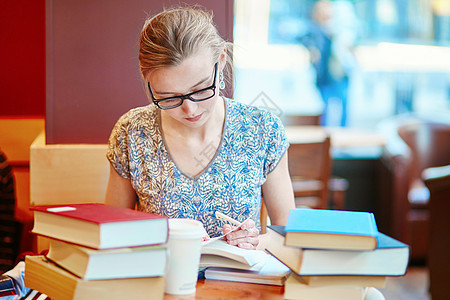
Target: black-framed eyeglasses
x=197, y=96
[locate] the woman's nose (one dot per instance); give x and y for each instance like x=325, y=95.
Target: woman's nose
x=189, y=107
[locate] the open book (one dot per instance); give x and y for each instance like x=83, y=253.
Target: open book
x=225, y=262
x=221, y=254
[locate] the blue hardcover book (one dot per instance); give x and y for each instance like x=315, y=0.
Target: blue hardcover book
x=6, y=286
x=390, y=258
x=331, y=229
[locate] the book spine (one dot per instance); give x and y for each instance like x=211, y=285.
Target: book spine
x=374, y=225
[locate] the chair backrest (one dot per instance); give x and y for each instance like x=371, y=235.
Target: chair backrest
x=429, y=143
x=295, y=120
x=438, y=182
x=310, y=163
x=310, y=160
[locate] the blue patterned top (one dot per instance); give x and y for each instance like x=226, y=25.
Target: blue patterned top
x=252, y=144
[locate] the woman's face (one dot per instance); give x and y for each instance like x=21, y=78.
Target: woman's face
x=193, y=74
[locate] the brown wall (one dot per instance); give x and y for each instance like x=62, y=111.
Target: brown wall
x=92, y=66
x=22, y=52
x=92, y=73
x=22, y=104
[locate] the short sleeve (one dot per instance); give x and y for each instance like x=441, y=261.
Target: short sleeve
x=276, y=140
x=117, y=152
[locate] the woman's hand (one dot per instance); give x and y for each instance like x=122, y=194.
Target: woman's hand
x=206, y=236
x=247, y=237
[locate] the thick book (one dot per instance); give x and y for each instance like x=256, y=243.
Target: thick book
x=44, y=276
x=331, y=229
x=390, y=258
x=91, y=264
x=221, y=254
x=100, y=226
x=295, y=288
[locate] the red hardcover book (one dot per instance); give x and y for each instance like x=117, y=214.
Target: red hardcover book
x=100, y=226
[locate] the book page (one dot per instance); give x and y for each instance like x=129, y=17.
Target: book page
x=221, y=248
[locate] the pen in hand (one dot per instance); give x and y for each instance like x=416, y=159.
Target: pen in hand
x=224, y=217
x=248, y=240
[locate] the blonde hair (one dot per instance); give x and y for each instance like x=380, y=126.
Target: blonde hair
x=175, y=34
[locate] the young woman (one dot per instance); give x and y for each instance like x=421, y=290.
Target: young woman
x=193, y=152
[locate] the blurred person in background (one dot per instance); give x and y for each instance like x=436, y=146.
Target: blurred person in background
x=330, y=39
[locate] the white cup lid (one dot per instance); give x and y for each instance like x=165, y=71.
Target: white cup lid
x=186, y=228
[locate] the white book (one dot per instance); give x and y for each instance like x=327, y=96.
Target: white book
x=91, y=264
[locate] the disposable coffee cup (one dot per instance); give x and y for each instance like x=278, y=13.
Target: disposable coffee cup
x=185, y=242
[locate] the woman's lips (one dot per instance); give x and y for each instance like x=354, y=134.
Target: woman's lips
x=194, y=119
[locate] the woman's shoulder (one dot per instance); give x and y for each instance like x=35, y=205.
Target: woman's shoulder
x=239, y=111
x=138, y=117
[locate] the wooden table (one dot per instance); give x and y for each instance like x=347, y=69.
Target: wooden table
x=225, y=290
x=341, y=137
x=356, y=157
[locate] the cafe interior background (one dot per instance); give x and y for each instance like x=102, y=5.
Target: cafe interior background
x=394, y=54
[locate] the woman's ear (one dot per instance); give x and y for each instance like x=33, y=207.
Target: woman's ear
x=223, y=59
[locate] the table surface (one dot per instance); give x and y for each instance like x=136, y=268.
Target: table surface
x=227, y=290
x=341, y=137
x=217, y=289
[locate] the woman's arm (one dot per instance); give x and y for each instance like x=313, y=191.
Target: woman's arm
x=119, y=191
x=278, y=194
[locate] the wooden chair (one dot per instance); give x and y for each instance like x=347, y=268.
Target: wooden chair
x=310, y=168
x=309, y=165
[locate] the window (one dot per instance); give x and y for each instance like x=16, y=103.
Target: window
x=398, y=59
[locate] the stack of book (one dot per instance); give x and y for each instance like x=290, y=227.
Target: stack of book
x=98, y=251
x=221, y=261
x=335, y=254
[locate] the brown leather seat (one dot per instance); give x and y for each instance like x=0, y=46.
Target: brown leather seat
x=420, y=143
x=438, y=182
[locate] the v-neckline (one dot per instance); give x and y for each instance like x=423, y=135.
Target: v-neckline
x=211, y=162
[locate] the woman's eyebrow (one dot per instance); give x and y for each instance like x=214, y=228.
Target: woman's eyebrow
x=174, y=93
